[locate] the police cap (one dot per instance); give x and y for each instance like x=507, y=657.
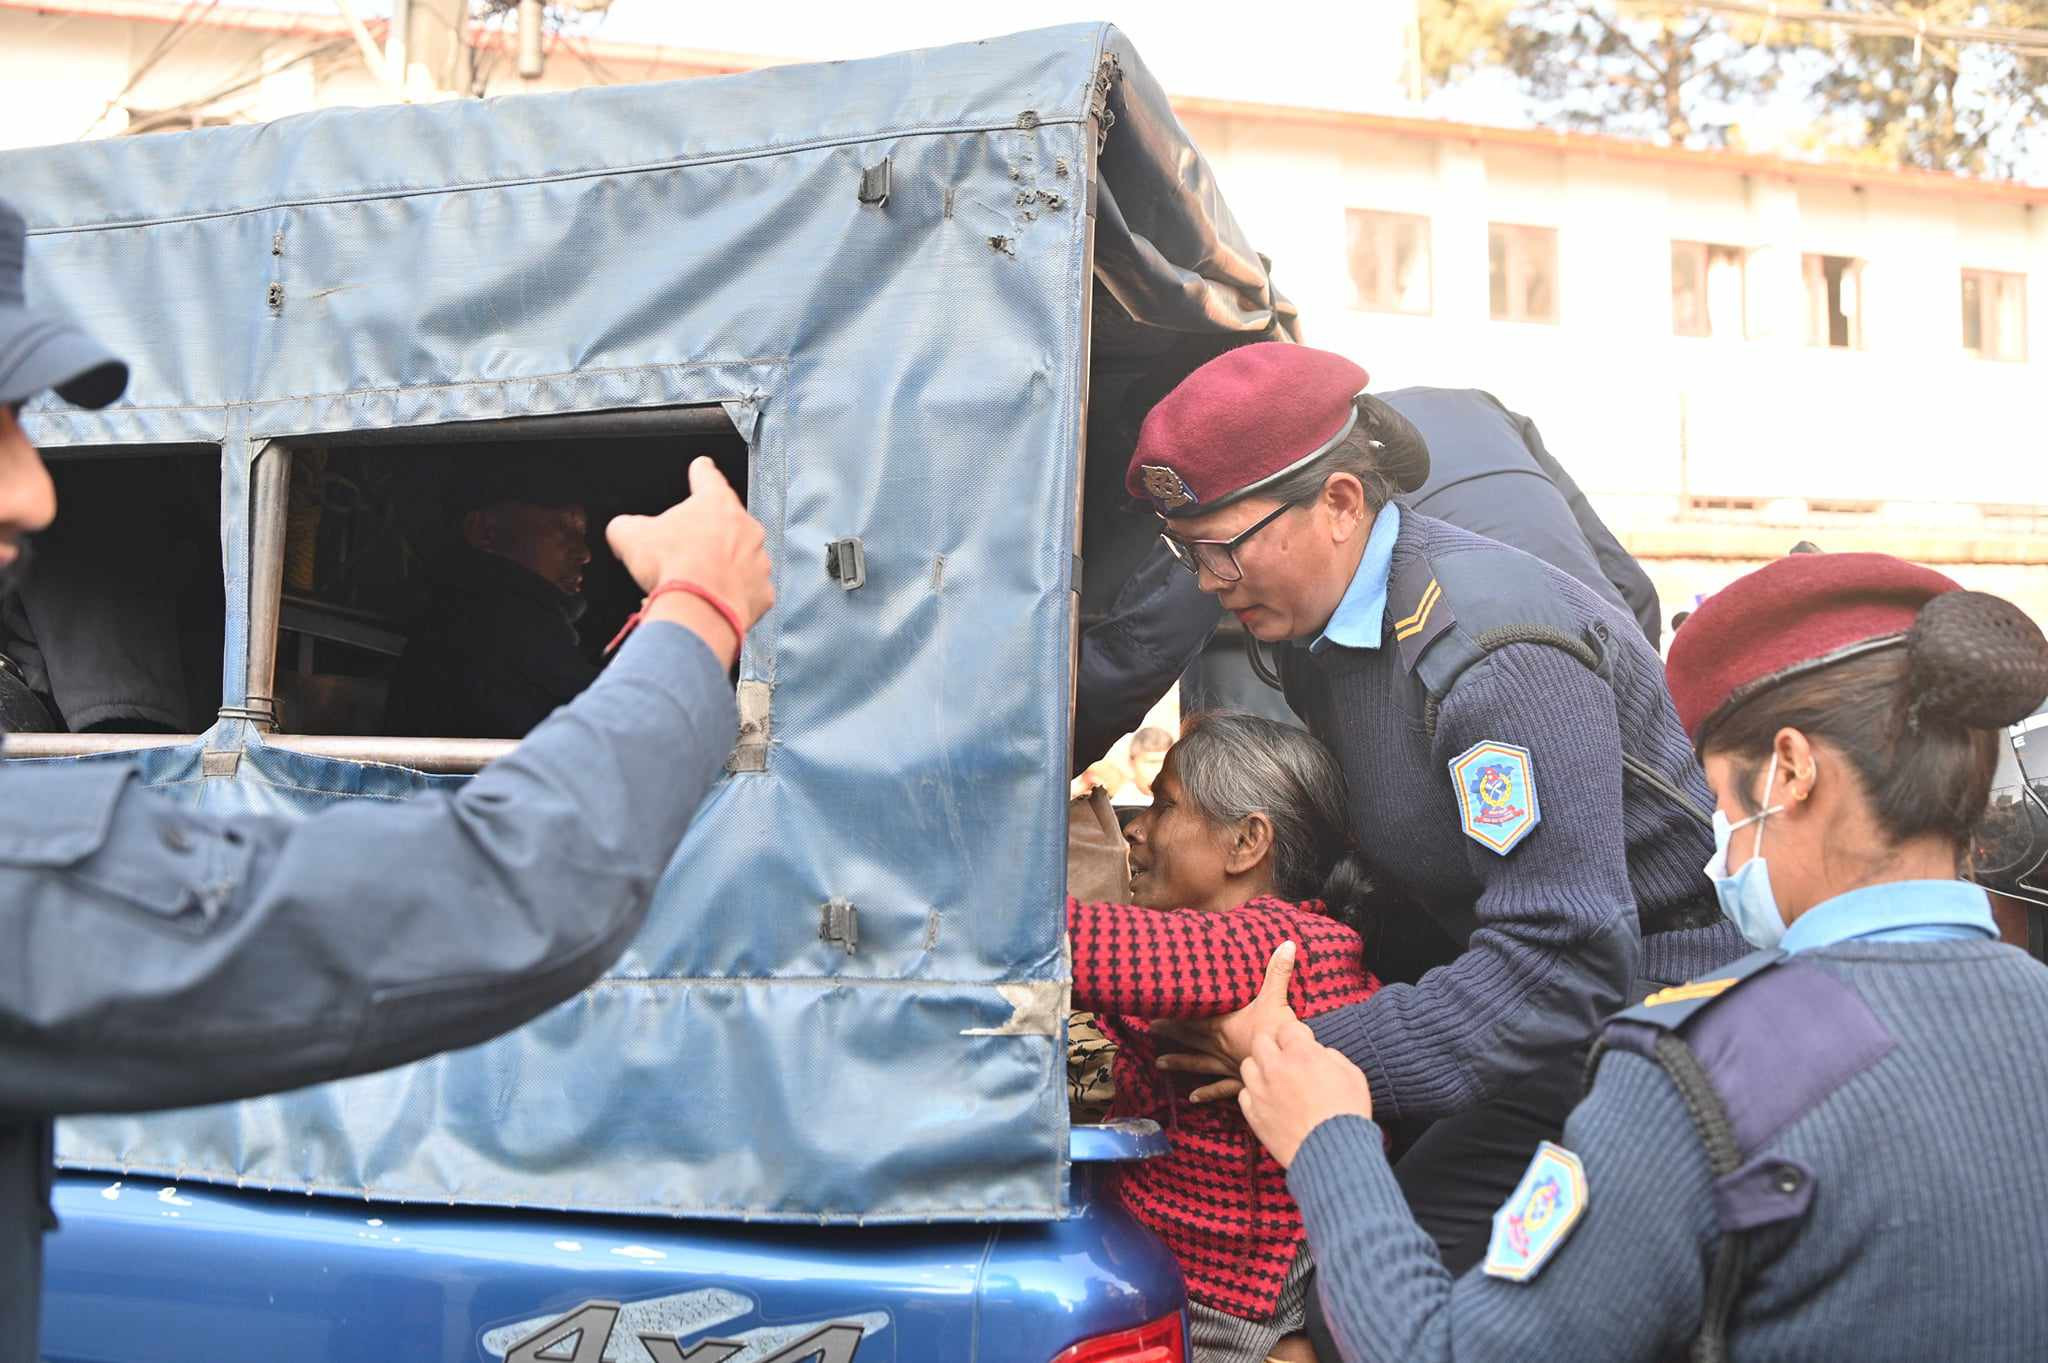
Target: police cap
x=1788, y=618
x=41, y=350
x=1252, y=416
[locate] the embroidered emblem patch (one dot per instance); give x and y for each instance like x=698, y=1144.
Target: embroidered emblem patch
x=1496, y=795
x=1166, y=487
x=1538, y=1215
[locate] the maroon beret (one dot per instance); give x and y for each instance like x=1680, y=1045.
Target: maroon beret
x=1243, y=420
x=1787, y=618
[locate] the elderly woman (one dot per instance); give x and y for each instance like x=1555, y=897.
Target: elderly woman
x=1244, y=847
x=1831, y=1146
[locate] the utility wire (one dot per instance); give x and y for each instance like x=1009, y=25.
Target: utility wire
x=183, y=25
x=2031, y=42
x=164, y=117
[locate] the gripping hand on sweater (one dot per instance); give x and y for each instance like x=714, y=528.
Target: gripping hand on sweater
x=1293, y=1084
x=1219, y=1045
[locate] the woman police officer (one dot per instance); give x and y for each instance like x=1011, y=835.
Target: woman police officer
x=1484, y=707
x=1833, y=1144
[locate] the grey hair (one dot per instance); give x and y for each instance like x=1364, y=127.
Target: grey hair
x=1383, y=451
x=1233, y=765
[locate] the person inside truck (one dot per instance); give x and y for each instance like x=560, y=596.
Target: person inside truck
x=497, y=649
x=1244, y=846
x=154, y=956
x=1830, y=1148
x=1148, y=752
x=100, y=629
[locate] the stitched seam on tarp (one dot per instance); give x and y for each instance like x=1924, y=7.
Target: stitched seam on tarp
x=566, y=176
x=768, y=361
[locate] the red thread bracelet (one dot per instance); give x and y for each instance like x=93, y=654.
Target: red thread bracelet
x=704, y=594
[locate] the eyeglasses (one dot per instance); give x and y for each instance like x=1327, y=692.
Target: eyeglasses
x=1218, y=558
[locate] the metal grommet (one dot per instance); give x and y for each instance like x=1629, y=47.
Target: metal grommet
x=1787, y=1180
x=175, y=839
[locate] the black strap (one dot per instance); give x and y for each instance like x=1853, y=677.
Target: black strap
x=1488, y=641
x=45, y=1155
x=1717, y=1134
x=1263, y=670
x=1588, y=651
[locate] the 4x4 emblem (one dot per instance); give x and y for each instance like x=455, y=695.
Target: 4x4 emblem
x=650, y=1331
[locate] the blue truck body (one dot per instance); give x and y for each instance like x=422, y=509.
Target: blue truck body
x=824, y=1091
x=189, y=1273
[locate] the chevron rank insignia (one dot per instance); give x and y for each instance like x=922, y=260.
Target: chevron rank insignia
x=1538, y=1215
x=1496, y=795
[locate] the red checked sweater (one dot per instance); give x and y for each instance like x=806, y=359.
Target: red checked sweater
x=1217, y=1199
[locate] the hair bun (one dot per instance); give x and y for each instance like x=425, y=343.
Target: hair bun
x=1403, y=453
x=1975, y=660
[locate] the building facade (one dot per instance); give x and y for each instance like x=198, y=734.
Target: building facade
x=1730, y=352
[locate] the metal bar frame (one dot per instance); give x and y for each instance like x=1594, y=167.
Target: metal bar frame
x=184, y=449
x=1091, y=133
x=436, y=756
x=269, y=496
x=608, y=425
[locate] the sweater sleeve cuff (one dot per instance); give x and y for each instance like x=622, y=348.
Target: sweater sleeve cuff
x=1346, y=1031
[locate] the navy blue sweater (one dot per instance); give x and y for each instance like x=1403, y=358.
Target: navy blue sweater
x=1551, y=927
x=1915, y=1230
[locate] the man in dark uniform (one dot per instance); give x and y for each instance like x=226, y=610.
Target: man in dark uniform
x=154, y=957
x=497, y=650
x=1489, y=472
x=1516, y=769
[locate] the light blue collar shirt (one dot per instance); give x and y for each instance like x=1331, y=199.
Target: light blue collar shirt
x=1361, y=616
x=1897, y=911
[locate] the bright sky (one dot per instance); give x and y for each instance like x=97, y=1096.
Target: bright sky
x=1323, y=54
x=1341, y=55
x=1336, y=54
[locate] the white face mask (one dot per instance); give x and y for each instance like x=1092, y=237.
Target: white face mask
x=1745, y=897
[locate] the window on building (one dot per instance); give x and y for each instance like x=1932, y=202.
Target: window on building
x=1834, y=301
x=1523, y=263
x=1995, y=314
x=1389, y=254
x=1708, y=289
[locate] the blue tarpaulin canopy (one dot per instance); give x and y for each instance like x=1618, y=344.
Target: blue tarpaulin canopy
x=908, y=367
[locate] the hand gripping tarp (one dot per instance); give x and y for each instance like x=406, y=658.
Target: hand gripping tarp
x=907, y=370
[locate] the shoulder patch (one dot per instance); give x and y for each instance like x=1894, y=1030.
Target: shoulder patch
x=1538, y=1215
x=1496, y=784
